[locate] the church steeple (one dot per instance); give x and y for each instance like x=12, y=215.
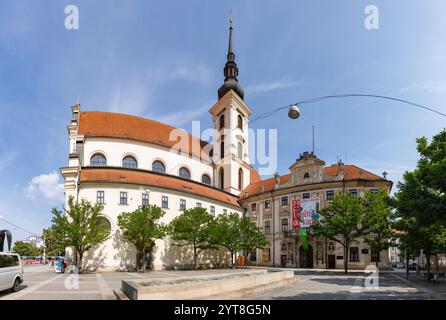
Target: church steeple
x=230, y=71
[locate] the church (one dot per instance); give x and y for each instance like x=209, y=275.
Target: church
x=122, y=162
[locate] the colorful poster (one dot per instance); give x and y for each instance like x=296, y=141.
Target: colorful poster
x=296, y=206
x=308, y=213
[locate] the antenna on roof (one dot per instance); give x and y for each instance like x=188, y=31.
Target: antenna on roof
x=313, y=140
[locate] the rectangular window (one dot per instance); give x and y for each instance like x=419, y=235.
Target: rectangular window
x=165, y=202
x=374, y=190
x=353, y=192
x=284, y=225
x=213, y=211
x=330, y=195
x=267, y=227
x=182, y=204
x=145, y=199
x=123, y=197
x=198, y=205
x=267, y=204
x=284, y=201
x=354, y=254
x=306, y=195
x=100, y=197
x=254, y=207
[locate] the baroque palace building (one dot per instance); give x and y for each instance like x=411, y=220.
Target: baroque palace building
x=269, y=204
x=122, y=162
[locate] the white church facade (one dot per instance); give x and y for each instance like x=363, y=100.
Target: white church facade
x=123, y=161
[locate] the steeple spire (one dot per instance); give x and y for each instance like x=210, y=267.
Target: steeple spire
x=230, y=71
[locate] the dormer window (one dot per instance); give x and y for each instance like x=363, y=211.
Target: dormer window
x=306, y=175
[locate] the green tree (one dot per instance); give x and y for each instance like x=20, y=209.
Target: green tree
x=78, y=227
x=227, y=233
x=193, y=228
x=252, y=237
x=141, y=228
x=26, y=249
x=53, y=245
x=341, y=222
x=377, y=221
x=420, y=201
x=418, y=220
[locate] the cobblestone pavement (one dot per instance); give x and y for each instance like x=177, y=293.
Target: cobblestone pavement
x=41, y=282
x=337, y=286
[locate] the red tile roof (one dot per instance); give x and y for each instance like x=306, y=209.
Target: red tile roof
x=351, y=172
x=116, y=125
x=107, y=175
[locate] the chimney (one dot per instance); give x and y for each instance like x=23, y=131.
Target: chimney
x=385, y=175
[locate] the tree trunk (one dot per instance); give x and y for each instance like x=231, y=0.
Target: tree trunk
x=144, y=260
x=428, y=267
x=233, y=260
x=407, y=265
x=345, y=257
x=79, y=266
x=195, y=257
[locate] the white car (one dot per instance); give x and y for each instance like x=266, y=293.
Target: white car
x=11, y=271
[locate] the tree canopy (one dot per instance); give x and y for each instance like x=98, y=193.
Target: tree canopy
x=193, y=228
x=141, y=228
x=77, y=227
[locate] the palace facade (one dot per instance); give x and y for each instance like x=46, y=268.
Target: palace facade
x=269, y=205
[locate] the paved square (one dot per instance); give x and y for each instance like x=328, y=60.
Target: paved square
x=42, y=283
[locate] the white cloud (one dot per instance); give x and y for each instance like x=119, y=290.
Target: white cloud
x=276, y=85
x=46, y=185
x=426, y=86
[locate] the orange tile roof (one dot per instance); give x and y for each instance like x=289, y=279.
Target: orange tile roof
x=351, y=172
x=107, y=175
x=116, y=125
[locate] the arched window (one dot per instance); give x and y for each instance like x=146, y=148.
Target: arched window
x=206, y=179
x=240, y=150
x=103, y=222
x=306, y=175
x=240, y=122
x=222, y=150
x=221, y=176
x=129, y=162
x=240, y=179
x=184, y=173
x=98, y=159
x=158, y=166
x=222, y=121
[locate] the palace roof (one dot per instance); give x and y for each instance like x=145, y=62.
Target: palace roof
x=351, y=172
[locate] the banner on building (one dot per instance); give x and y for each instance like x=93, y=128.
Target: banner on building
x=296, y=206
x=304, y=212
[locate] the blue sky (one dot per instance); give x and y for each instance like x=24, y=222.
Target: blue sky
x=164, y=60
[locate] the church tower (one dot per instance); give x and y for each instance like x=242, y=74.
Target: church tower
x=230, y=116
